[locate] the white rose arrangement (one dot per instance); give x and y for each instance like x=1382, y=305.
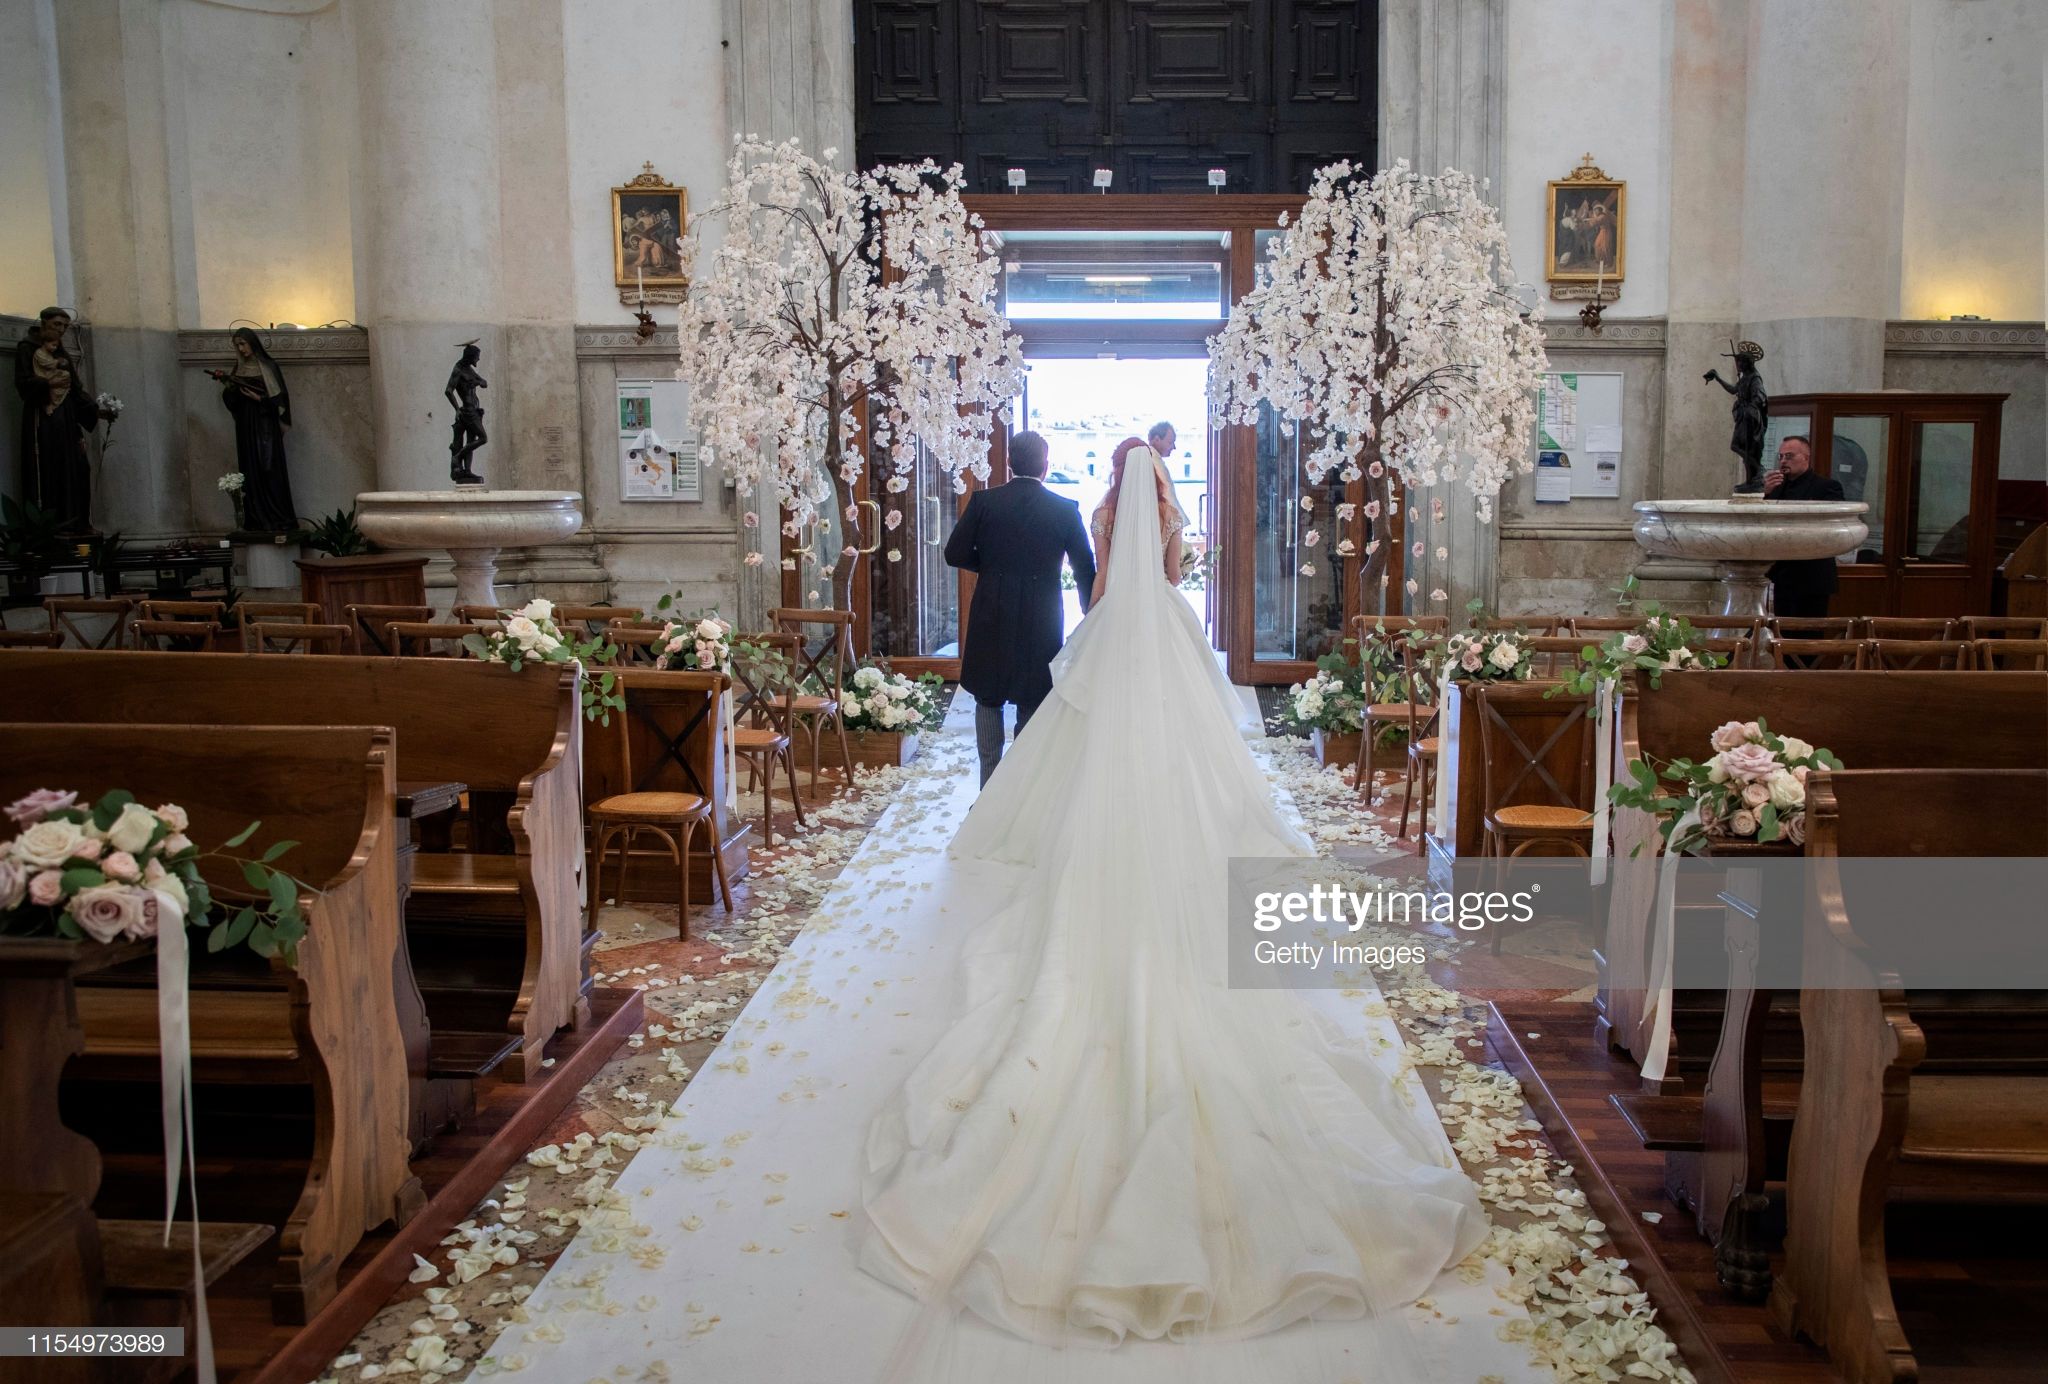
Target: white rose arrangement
x=699, y=643
x=1663, y=643
x=881, y=700
x=1752, y=788
x=119, y=871
x=1481, y=655
x=231, y=482
x=530, y=635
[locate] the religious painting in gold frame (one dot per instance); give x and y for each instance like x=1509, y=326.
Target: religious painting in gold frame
x=649, y=219
x=1586, y=246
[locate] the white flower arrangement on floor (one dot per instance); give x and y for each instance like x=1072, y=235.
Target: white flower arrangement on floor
x=118, y=871
x=1331, y=701
x=1753, y=788
x=530, y=635
x=879, y=700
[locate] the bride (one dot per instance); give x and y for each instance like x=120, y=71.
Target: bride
x=1109, y=1143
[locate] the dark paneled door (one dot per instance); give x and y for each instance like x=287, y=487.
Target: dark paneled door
x=1160, y=91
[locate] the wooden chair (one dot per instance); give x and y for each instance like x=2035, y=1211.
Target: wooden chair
x=672, y=816
x=367, y=624
x=823, y=665
x=2010, y=655
x=64, y=612
x=1510, y=767
x=178, y=636
x=636, y=645
x=1602, y=625
x=1736, y=651
x=1978, y=627
x=595, y=619
x=1930, y=655
x=244, y=613
x=1385, y=630
x=293, y=637
x=1812, y=627
x=1726, y=626
x=1907, y=627
x=1892, y=1108
x=761, y=718
x=419, y=639
x=201, y=612
x=1532, y=625
x=1425, y=753
x=31, y=639
x=1551, y=656
x=1838, y=655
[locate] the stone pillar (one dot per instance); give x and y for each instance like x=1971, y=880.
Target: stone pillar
x=110, y=58
x=429, y=229
x=1824, y=187
x=1443, y=75
x=788, y=73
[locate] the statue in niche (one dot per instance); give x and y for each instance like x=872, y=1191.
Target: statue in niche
x=255, y=394
x=58, y=411
x=1752, y=411
x=468, y=435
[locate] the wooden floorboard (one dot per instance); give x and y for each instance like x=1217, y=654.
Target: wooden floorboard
x=458, y=1170
x=1971, y=1285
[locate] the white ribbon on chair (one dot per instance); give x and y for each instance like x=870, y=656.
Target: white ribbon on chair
x=1606, y=707
x=732, y=778
x=174, y=1052
x=1446, y=829
x=1664, y=943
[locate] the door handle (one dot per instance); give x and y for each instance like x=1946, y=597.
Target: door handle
x=875, y=505
x=938, y=517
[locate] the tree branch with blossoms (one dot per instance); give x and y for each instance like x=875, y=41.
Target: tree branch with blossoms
x=1387, y=320
x=832, y=295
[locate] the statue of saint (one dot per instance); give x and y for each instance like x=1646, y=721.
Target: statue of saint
x=58, y=411
x=254, y=392
x=463, y=383
x=1752, y=411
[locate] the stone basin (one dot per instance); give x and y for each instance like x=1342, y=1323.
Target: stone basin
x=471, y=525
x=1744, y=536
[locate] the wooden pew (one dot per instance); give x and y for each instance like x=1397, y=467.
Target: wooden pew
x=677, y=743
x=316, y=1046
x=1875, y=1127
x=498, y=943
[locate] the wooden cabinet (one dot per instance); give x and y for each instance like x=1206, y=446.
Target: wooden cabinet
x=1927, y=465
x=336, y=583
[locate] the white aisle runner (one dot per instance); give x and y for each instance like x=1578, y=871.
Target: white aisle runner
x=750, y=1194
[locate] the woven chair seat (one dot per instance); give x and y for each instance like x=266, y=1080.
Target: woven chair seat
x=1542, y=817
x=651, y=807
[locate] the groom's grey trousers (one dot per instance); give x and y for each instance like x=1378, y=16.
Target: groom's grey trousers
x=988, y=731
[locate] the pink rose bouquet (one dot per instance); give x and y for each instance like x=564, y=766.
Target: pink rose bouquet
x=1752, y=788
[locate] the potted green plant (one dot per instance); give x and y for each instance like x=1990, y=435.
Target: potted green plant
x=338, y=535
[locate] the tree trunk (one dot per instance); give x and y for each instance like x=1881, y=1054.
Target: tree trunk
x=843, y=562
x=1373, y=596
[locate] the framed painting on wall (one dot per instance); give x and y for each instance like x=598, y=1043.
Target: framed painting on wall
x=649, y=218
x=1586, y=248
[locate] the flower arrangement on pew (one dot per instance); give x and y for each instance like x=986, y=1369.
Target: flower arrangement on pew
x=880, y=700
x=1752, y=788
x=530, y=635
x=1483, y=655
x=699, y=643
x=1663, y=643
x=117, y=870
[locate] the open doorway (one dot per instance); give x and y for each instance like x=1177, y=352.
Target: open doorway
x=1084, y=407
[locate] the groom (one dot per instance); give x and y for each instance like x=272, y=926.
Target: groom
x=1012, y=538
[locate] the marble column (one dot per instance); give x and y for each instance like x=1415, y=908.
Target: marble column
x=1443, y=76
x=788, y=74
x=116, y=166
x=1823, y=188
x=429, y=228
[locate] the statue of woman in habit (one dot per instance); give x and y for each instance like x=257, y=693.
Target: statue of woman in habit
x=254, y=392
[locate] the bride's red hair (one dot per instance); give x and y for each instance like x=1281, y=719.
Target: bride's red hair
x=1168, y=508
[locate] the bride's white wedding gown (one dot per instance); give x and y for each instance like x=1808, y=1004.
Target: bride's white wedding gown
x=1109, y=1142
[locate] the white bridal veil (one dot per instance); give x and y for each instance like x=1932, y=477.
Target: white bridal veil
x=1110, y=1147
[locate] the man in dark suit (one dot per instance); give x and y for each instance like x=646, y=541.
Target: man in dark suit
x=1012, y=538
x=1801, y=588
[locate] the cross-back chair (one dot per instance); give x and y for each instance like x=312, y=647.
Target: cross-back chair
x=1551, y=656
x=425, y=639
x=1726, y=626
x=638, y=647
x=1425, y=750
x=1386, y=631
x=823, y=657
x=1979, y=627
x=181, y=636
x=65, y=612
x=1532, y=625
x=1910, y=627
x=1812, y=627
x=763, y=672
x=293, y=637
x=245, y=613
x=673, y=816
x=1926, y=655
x=31, y=639
x=1508, y=762
x=200, y=612
x=1601, y=626
x=1834, y=655
x=1737, y=651
x=367, y=624
x=2010, y=655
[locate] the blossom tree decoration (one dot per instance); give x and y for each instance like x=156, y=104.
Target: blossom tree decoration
x=831, y=291
x=1387, y=321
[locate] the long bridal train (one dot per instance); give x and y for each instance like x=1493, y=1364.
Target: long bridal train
x=1108, y=1142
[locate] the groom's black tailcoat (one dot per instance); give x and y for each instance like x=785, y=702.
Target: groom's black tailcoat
x=1012, y=538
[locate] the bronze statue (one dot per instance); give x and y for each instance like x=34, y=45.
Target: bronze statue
x=1752, y=411
x=468, y=435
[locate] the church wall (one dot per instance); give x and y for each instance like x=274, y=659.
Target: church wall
x=1589, y=76
x=1973, y=234
x=28, y=216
